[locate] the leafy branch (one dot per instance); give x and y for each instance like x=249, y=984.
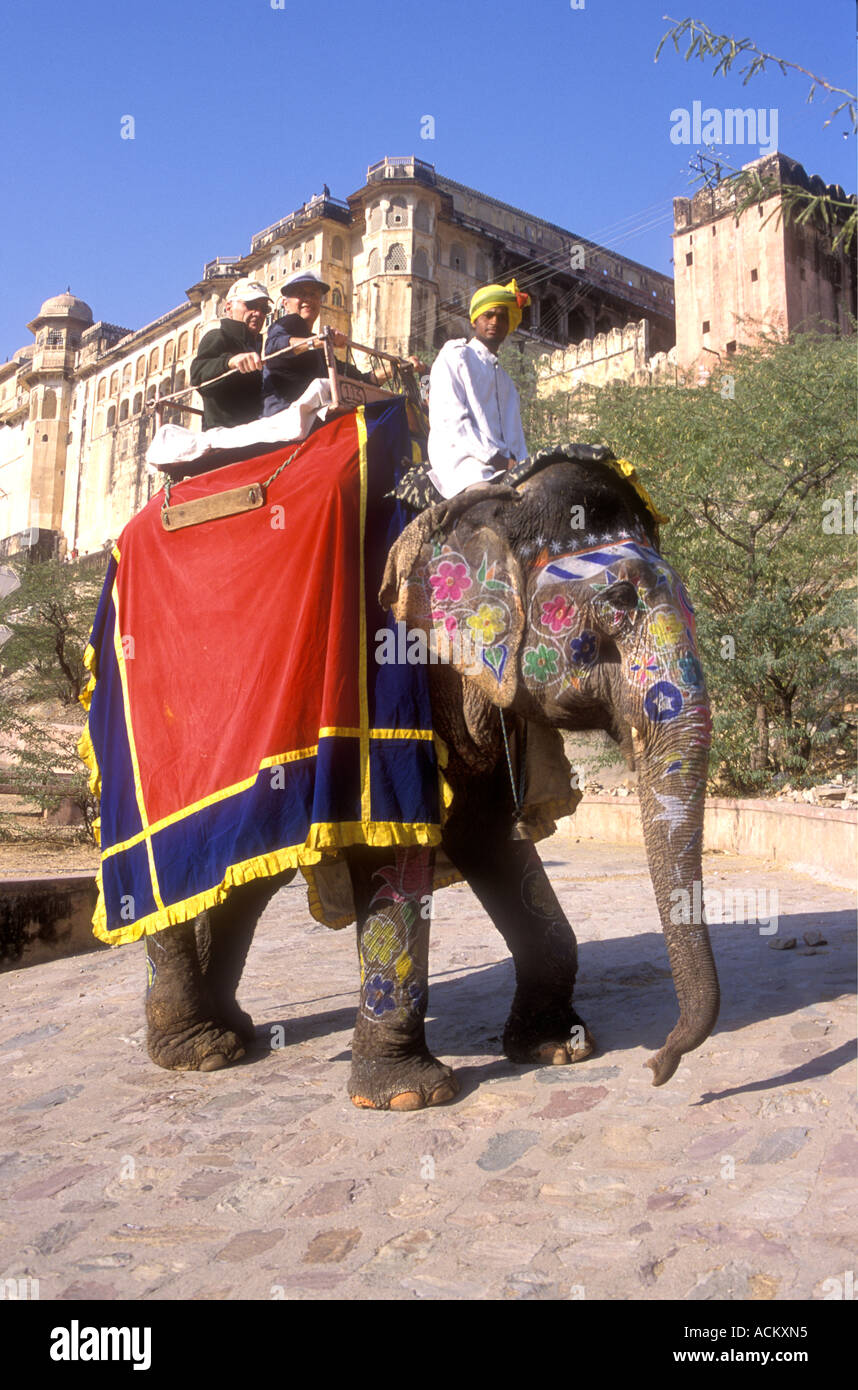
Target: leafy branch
x=703, y=43
x=838, y=218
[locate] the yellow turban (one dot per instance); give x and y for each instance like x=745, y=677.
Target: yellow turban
x=508, y=297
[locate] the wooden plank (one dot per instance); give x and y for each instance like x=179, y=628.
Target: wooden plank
x=239, y=499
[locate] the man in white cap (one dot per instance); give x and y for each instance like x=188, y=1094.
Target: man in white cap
x=286, y=378
x=234, y=346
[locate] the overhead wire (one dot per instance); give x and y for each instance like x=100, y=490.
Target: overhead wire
x=548, y=265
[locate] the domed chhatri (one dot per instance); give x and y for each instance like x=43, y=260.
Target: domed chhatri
x=23, y=354
x=66, y=306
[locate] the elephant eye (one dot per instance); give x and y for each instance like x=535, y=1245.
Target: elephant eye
x=621, y=595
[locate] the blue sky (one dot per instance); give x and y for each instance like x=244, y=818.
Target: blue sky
x=242, y=111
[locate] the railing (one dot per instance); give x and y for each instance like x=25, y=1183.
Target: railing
x=346, y=392
x=322, y=206
x=401, y=166
x=220, y=265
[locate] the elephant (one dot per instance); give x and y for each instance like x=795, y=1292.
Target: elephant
x=581, y=625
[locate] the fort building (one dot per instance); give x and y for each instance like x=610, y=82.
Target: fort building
x=737, y=279
x=403, y=255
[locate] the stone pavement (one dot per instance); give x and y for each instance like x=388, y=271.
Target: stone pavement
x=735, y=1180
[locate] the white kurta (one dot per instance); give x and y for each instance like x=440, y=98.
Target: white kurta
x=474, y=413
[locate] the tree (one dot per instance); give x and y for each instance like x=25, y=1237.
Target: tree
x=838, y=217
x=41, y=666
x=757, y=469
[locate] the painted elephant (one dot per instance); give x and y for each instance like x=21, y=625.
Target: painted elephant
x=579, y=624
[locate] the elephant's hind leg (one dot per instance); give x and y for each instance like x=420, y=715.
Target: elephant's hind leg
x=513, y=887
x=224, y=934
x=183, y=1034
x=392, y=1068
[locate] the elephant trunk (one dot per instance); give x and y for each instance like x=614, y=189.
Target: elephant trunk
x=672, y=762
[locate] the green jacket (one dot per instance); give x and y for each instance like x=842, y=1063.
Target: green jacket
x=238, y=399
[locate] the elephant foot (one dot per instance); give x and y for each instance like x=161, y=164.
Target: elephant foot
x=235, y=1020
x=403, y=1083
x=546, y=1037
x=198, y=1047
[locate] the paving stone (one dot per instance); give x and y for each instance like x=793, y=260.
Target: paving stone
x=264, y=1182
x=328, y=1197
x=565, y=1103
x=248, y=1244
x=59, y=1096
x=842, y=1159
x=54, y=1182
x=504, y=1149
x=730, y=1281
x=330, y=1247
x=777, y=1147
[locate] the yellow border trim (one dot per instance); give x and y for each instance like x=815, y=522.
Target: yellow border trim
x=365, y=793
x=322, y=837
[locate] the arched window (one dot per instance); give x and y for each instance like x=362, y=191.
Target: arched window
x=180, y=380
x=421, y=216
x=420, y=263
x=375, y=218
x=102, y=389
x=373, y=262
x=49, y=405
x=337, y=249
x=111, y=417
x=458, y=259
x=166, y=388
x=140, y=369
x=296, y=262
x=168, y=352
x=123, y=410
x=154, y=359
x=395, y=258
x=397, y=213
x=138, y=404
x=337, y=298
x=150, y=392
x=126, y=374
x=54, y=338
x=114, y=383
x=196, y=339
x=183, y=344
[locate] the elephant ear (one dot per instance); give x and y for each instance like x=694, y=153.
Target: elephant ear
x=461, y=585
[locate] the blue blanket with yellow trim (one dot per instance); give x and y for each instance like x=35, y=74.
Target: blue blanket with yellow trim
x=239, y=723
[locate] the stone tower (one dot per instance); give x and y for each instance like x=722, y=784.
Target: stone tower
x=738, y=277
x=50, y=378
x=394, y=277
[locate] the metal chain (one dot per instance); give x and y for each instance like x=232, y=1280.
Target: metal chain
x=516, y=795
x=284, y=464
x=168, y=483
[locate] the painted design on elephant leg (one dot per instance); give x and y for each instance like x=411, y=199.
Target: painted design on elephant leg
x=391, y=1066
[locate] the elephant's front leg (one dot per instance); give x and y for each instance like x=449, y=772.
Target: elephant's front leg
x=509, y=880
x=392, y=1068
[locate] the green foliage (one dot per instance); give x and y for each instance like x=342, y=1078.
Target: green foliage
x=42, y=670
x=743, y=465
